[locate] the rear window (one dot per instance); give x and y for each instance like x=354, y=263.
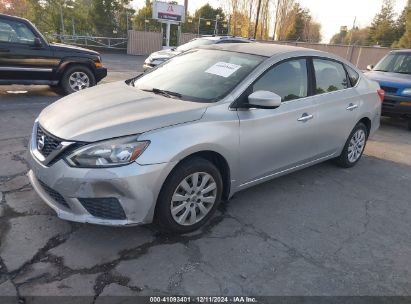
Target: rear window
x=330, y=76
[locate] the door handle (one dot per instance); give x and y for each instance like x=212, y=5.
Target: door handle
x=351, y=107
x=4, y=50
x=305, y=117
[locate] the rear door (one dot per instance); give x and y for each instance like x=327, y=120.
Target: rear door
x=20, y=60
x=338, y=104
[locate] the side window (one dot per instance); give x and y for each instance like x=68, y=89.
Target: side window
x=7, y=33
x=288, y=79
x=15, y=32
x=353, y=75
x=330, y=76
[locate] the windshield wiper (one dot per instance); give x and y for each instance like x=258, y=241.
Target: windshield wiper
x=381, y=70
x=165, y=93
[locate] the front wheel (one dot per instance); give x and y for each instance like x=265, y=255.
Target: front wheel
x=354, y=147
x=189, y=196
x=77, y=78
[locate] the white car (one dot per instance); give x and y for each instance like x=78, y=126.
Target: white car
x=159, y=57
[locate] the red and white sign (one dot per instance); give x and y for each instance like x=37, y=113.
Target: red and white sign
x=168, y=12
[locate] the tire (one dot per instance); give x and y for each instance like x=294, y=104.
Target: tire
x=348, y=159
x=77, y=72
x=409, y=124
x=185, y=202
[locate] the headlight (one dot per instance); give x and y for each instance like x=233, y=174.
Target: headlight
x=406, y=91
x=110, y=153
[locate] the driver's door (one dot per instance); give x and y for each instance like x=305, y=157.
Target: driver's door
x=20, y=59
x=273, y=141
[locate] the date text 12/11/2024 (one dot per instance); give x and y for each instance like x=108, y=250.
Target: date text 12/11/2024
x=183, y=299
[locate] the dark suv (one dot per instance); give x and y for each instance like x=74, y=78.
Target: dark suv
x=27, y=58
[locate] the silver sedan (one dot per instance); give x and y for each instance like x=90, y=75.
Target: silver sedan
x=169, y=145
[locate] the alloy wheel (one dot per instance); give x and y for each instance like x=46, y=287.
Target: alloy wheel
x=193, y=198
x=356, y=146
x=79, y=81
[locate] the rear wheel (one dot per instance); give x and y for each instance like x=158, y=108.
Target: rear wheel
x=409, y=124
x=77, y=78
x=189, y=196
x=354, y=147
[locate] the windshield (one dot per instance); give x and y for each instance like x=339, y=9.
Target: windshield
x=395, y=63
x=200, y=75
x=194, y=44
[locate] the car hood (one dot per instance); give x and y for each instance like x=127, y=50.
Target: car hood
x=113, y=110
x=165, y=54
x=394, y=79
x=59, y=47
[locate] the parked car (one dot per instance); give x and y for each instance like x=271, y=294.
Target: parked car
x=159, y=57
x=393, y=73
x=27, y=58
x=170, y=144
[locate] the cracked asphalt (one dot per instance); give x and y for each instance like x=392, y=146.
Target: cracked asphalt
x=319, y=231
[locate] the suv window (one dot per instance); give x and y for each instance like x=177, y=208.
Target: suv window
x=288, y=79
x=15, y=32
x=330, y=76
x=353, y=75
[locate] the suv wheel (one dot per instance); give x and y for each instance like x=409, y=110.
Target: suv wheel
x=77, y=78
x=189, y=196
x=354, y=147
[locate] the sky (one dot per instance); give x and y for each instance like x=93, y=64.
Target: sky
x=332, y=14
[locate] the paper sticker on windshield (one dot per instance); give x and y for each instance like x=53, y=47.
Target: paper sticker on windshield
x=223, y=69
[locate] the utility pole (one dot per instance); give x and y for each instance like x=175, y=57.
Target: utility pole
x=62, y=20
x=185, y=7
x=256, y=20
x=276, y=18
x=216, y=25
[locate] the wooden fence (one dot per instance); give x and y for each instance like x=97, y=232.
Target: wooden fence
x=144, y=43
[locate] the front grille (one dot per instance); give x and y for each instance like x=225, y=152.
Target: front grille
x=389, y=103
x=105, y=208
x=389, y=89
x=50, y=142
x=54, y=195
x=66, y=152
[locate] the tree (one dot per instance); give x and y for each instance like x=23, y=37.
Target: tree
x=383, y=28
x=357, y=36
x=283, y=22
x=210, y=13
x=405, y=40
x=299, y=26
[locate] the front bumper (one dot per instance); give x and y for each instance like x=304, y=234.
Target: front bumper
x=135, y=188
x=394, y=105
x=100, y=73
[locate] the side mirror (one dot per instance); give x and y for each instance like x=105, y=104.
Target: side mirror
x=370, y=67
x=264, y=100
x=37, y=42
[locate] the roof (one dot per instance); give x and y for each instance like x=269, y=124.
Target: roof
x=9, y=17
x=262, y=49
x=224, y=38
x=401, y=51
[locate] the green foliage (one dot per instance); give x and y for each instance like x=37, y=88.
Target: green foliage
x=302, y=27
x=85, y=17
x=383, y=29
x=405, y=40
x=357, y=36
